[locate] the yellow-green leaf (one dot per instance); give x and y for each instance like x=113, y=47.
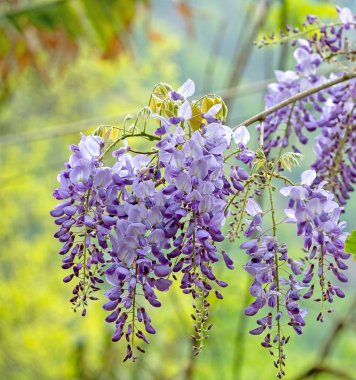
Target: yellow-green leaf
x=350, y=244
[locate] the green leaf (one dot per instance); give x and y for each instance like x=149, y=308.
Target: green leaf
x=137, y=121
x=107, y=132
x=202, y=105
x=350, y=244
x=160, y=93
x=290, y=159
x=260, y=159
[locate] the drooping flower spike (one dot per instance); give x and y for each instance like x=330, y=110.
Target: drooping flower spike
x=158, y=215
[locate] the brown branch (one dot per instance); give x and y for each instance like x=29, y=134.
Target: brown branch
x=319, y=366
x=262, y=115
x=338, y=373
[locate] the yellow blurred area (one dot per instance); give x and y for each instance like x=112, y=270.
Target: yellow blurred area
x=41, y=338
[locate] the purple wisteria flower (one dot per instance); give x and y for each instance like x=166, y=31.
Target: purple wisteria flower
x=335, y=158
x=85, y=190
x=330, y=112
x=276, y=293
x=185, y=91
x=272, y=290
x=195, y=194
x=138, y=266
x=158, y=216
x=316, y=214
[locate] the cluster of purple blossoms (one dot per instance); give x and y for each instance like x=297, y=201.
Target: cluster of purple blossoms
x=316, y=215
x=240, y=180
x=85, y=190
x=195, y=191
x=280, y=282
x=269, y=288
x=331, y=112
x=238, y=175
x=138, y=267
x=170, y=212
x=278, y=294
x=158, y=216
x=147, y=218
x=335, y=157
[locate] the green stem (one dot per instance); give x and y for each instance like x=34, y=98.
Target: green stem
x=285, y=135
x=274, y=229
x=134, y=310
x=243, y=207
x=86, y=208
x=339, y=152
x=296, y=36
x=125, y=136
x=232, y=154
x=283, y=178
x=147, y=153
x=322, y=281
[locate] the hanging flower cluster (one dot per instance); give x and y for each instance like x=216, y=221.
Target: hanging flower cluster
x=143, y=219
x=317, y=217
x=330, y=112
x=84, y=224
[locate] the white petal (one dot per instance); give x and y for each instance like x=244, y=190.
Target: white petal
x=187, y=89
x=213, y=110
x=290, y=214
x=90, y=146
x=253, y=208
x=213, y=130
x=241, y=135
x=301, y=55
x=164, y=120
x=185, y=111
x=308, y=177
x=139, y=161
x=286, y=76
x=346, y=16
x=286, y=190
x=228, y=134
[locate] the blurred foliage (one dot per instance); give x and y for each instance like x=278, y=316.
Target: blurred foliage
x=294, y=12
x=40, y=337
x=45, y=35
x=48, y=35
x=351, y=243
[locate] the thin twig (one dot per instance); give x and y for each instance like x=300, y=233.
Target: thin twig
x=319, y=366
x=262, y=115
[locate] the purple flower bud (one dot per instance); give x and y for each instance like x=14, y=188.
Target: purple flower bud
x=162, y=284
x=228, y=262
x=258, y=330
x=113, y=316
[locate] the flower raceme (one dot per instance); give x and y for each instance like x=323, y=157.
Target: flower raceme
x=316, y=214
x=331, y=112
x=84, y=225
x=141, y=220
x=144, y=220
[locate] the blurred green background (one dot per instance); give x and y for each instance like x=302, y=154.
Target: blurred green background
x=69, y=66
